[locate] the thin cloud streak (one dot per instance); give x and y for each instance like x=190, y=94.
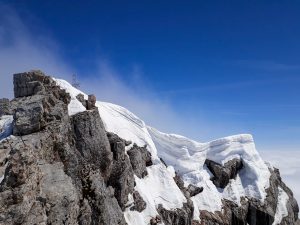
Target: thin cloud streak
x=267, y=65
x=22, y=51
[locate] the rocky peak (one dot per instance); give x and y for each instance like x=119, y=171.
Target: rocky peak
x=60, y=169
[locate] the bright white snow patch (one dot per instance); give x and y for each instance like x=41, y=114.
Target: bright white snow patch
x=5, y=126
x=75, y=106
x=128, y=126
x=281, y=210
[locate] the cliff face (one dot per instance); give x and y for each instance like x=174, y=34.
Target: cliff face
x=67, y=169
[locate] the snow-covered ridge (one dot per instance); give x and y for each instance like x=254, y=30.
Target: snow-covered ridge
x=185, y=156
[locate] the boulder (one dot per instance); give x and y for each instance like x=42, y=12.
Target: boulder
x=80, y=97
x=29, y=116
x=139, y=203
x=140, y=158
x=91, y=102
x=30, y=83
x=222, y=174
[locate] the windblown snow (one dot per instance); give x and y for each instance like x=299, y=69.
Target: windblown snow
x=187, y=158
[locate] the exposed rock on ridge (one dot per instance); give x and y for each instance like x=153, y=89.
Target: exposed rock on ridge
x=60, y=169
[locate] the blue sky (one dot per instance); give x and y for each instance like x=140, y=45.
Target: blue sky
x=203, y=69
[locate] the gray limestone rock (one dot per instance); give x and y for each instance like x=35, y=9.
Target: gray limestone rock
x=121, y=177
x=80, y=97
x=28, y=84
x=139, y=203
x=181, y=216
x=4, y=106
x=91, y=102
x=55, y=171
x=140, y=158
x=29, y=117
x=222, y=174
x=91, y=140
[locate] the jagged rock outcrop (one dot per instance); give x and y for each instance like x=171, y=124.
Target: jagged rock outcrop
x=222, y=174
x=122, y=176
x=92, y=141
x=139, y=204
x=60, y=169
x=140, y=158
x=182, y=216
x=189, y=191
x=90, y=103
x=252, y=211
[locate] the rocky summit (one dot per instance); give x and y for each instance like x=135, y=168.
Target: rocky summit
x=101, y=165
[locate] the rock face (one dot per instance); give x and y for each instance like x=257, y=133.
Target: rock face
x=140, y=158
x=4, y=106
x=61, y=169
x=222, y=174
x=251, y=211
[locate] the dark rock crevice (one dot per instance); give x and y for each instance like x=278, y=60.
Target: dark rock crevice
x=222, y=174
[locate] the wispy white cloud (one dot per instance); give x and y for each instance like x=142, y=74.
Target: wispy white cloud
x=20, y=51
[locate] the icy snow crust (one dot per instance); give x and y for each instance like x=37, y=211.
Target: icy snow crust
x=5, y=126
x=184, y=156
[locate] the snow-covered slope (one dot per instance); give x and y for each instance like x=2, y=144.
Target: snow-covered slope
x=187, y=158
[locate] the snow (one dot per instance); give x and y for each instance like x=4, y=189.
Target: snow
x=75, y=106
x=186, y=157
x=5, y=126
x=281, y=210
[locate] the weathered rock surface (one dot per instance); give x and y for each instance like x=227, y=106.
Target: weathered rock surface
x=56, y=169
x=181, y=216
x=4, y=106
x=222, y=174
x=252, y=211
x=30, y=84
x=140, y=158
x=139, y=203
x=92, y=141
x=189, y=191
x=121, y=177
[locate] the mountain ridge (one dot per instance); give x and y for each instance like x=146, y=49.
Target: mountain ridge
x=181, y=182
